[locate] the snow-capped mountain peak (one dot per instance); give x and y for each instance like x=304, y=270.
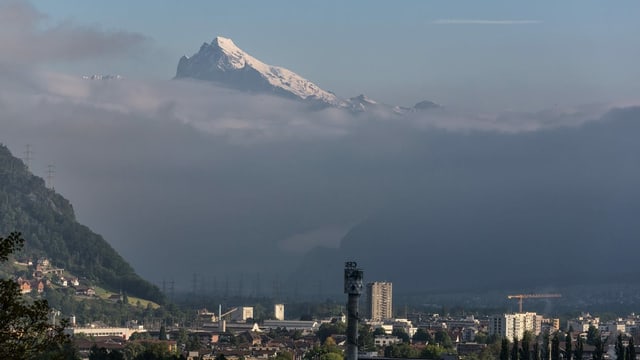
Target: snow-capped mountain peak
x=224, y=62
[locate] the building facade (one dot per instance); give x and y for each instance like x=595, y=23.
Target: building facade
x=278, y=311
x=379, y=301
x=514, y=325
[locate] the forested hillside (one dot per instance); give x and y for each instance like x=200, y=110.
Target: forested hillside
x=47, y=222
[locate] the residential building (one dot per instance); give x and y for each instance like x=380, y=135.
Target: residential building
x=379, y=304
x=386, y=340
x=278, y=311
x=243, y=313
x=514, y=325
x=582, y=323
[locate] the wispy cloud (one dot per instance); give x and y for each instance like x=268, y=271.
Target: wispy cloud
x=484, y=22
x=26, y=38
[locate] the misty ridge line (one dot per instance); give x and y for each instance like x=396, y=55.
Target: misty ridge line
x=248, y=117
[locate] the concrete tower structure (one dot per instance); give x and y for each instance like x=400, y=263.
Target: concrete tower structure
x=352, y=287
x=379, y=300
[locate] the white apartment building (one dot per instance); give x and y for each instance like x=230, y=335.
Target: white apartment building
x=379, y=304
x=243, y=313
x=514, y=325
x=278, y=311
x=582, y=323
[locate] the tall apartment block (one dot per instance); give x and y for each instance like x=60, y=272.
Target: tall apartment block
x=379, y=301
x=278, y=311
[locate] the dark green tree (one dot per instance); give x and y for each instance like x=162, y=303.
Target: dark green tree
x=422, y=335
x=156, y=350
x=620, y=348
x=598, y=351
x=555, y=347
x=366, y=341
x=193, y=342
x=535, y=353
x=163, y=333
x=401, y=334
x=592, y=334
x=631, y=350
x=283, y=355
x=515, y=353
x=402, y=350
x=328, y=351
x=545, y=351
x=579, y=351
x=329, y=329
x=25, y=331
x=504, y=349
x=525, y=353
x=491, y=352
x=443, y=338
x=97, y=353
x=432, y=351
x=567, y=346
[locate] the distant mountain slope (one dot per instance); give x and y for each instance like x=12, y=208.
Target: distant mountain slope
x=48, y=224
x=556, y=207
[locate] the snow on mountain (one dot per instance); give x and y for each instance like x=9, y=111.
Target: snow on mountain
x=223, y=62
x=361, y=103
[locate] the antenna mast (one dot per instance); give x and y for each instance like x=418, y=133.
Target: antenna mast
x=28, y=156
x=51, y=171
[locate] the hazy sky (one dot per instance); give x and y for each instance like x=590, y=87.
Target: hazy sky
x=476, y=54
x=183, y=176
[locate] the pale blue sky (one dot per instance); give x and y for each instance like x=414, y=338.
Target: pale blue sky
x=476, y=54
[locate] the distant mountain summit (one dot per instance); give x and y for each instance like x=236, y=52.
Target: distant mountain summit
x=226, y=64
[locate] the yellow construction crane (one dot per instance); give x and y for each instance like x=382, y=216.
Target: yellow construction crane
x=531, y=296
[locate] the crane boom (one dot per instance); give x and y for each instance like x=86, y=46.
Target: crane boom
x=228, y=312
x=531, y=296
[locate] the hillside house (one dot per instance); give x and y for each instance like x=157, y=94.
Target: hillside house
x=25, y=286
x=85, y=291
x=38, y=285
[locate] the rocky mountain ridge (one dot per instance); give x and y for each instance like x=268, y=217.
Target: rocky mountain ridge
x=224, y=63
